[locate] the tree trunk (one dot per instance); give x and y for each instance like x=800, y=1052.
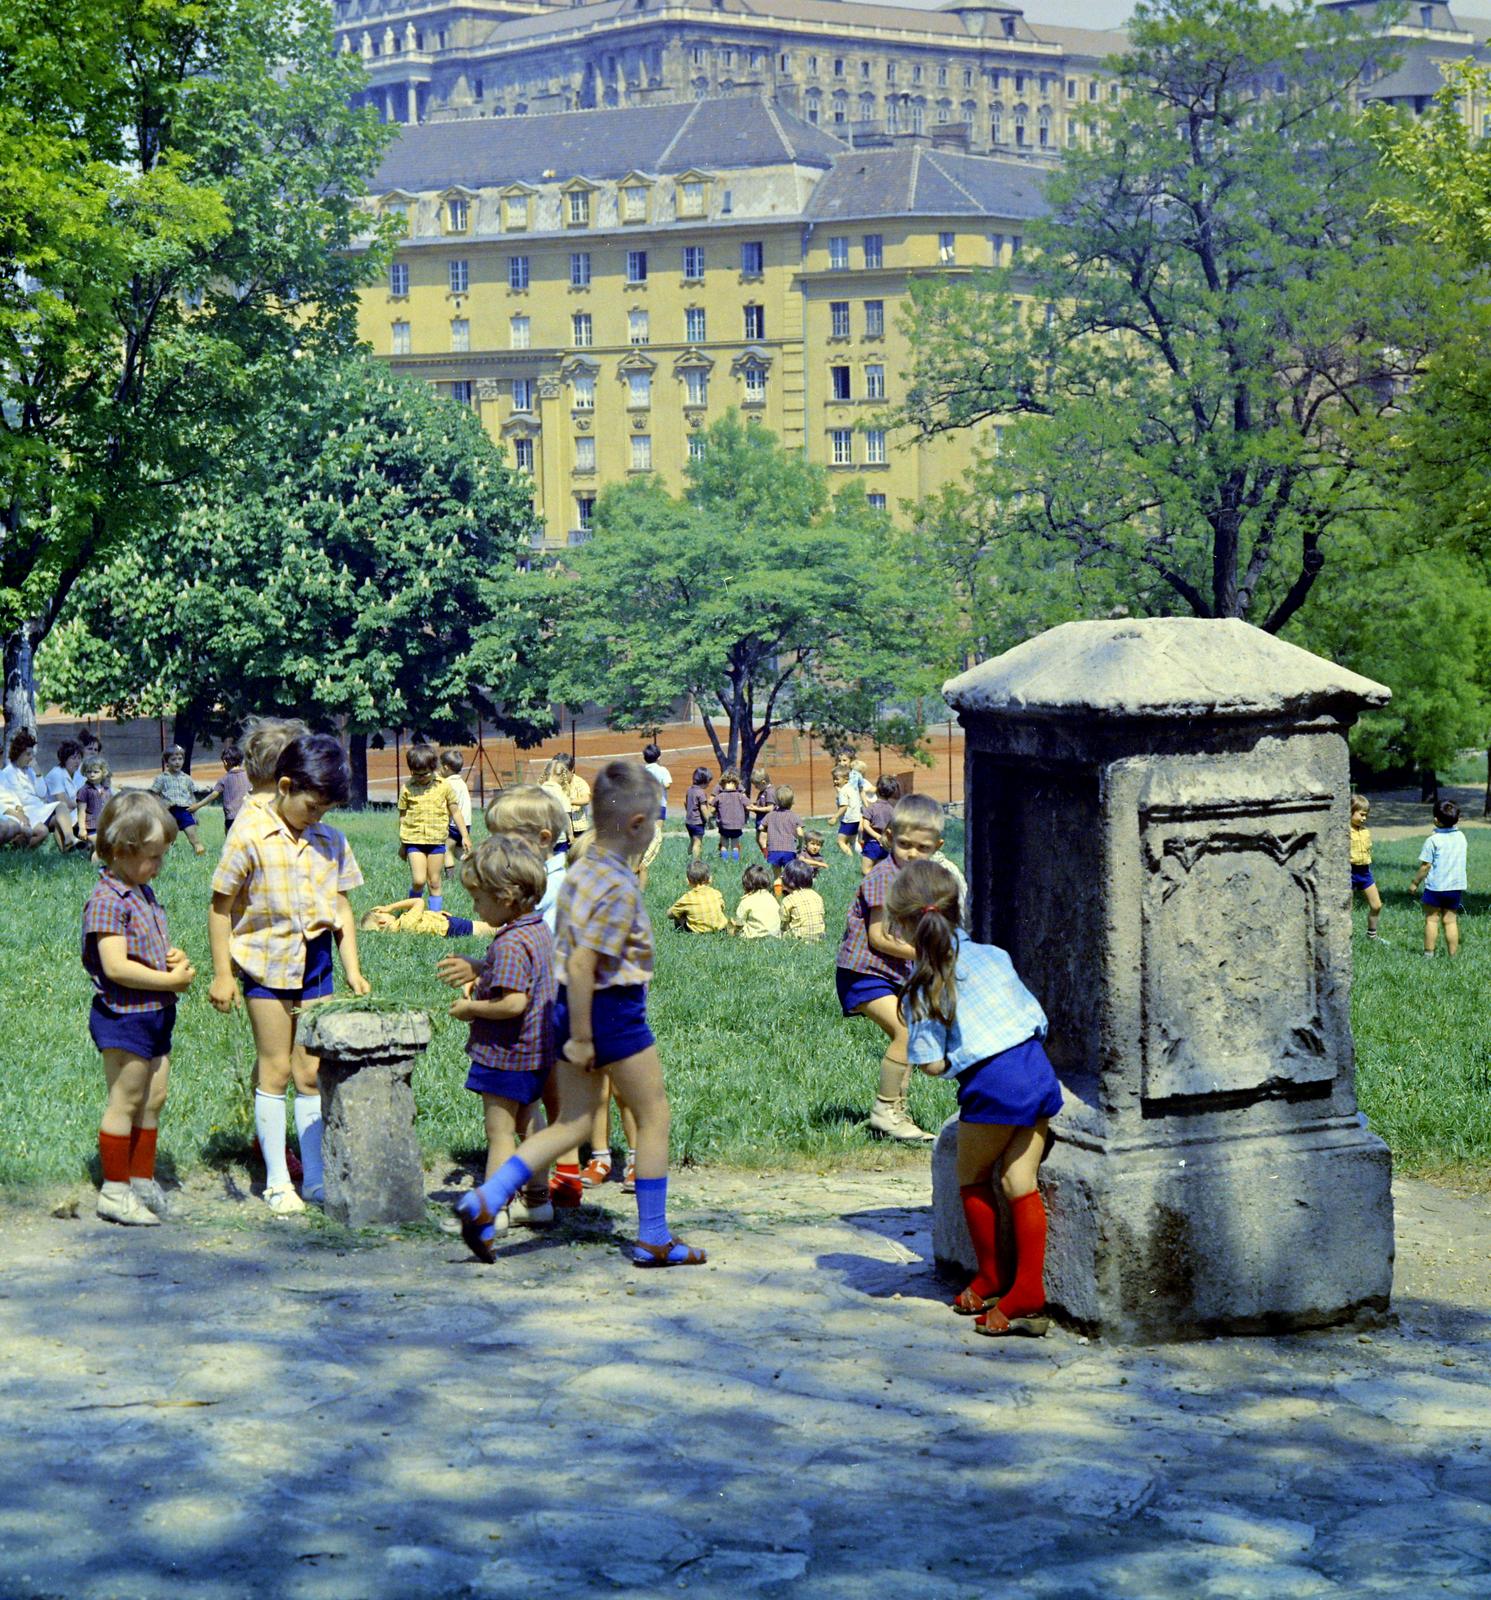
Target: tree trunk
x=357, y=752
x=20, y=680
x=184, y=728
x=1429, y=788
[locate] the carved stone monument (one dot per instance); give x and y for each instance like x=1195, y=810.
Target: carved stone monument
x=1157, y=833
x=374, y=1173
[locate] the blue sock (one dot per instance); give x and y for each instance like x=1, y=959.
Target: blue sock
x=504, y=1183
x=652, y=1210
x=414, y=892
x=437, y=902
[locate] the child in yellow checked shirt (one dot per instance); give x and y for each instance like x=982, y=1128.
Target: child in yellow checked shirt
x=413, y=916
x=428, y=809
x=802, y=905
x=279, y=902
x=701, y=907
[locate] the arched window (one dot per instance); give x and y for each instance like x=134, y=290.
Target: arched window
x=918, y=109
x=1043, y=131
x=996, y=124
x=815, y=106
x=1022, y=116
x=841, y=108
x=867, y=108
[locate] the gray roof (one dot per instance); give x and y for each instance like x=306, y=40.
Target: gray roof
x=913, y=179
x=492, y=151
x=1095, y=42
x=1418, y=73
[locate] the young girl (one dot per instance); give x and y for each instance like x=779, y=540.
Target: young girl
x=572, y=792
x=428, y=810
x=850, y=811
x=781, y=831
x=875, y=821
x=873, y=964
x=137, y=974
x=182, y=794
x=696, y=810
x=95, y=794
x=279, y=903
x=732, y=813
x=758, y=916
x=452, y=766
x=969, y=1015
x=1362, y=881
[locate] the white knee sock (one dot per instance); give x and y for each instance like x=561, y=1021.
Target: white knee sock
x=269, y=1124
x=308, y=1125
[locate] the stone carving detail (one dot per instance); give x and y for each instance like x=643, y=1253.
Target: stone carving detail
x=489, y=388
x=548, y=387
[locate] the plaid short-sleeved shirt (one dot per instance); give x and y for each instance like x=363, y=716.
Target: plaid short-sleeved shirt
x=782, y=829
x=731, y=809
x=600, y=909
x=995, y=1012
x=284, y=891
x=424, y=812
x=802, y=914
x=178, y=789
x=701, y=909
x=130, y=909
x=855, y=954
x=520, y=960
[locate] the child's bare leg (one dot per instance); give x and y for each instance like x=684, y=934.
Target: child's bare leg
x=579, y=1093
x=1452, y=932
x=1431, y=929
x=501, y=1118
x=435, y=866
x=890, y=1116
x=128, y=1078
x=844, y=846
x=638, y=1081
x=273, y=1022
x=194, y=841
x=628, y=1125
x=417, y=872
x=1374, y=907
x=981, y=1146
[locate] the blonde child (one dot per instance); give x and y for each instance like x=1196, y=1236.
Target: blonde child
x=802, y=905
x=97, y=791
x=428, y=809
x=1442, y=863
x=873, y=963
x=1362, y=881
x=968, y=1015
x=263, y=741
x=414, y=916
x=701, y=907
x=732, y=812
x=697, y=808
x=874, y=822
x=137, y=974
x=510, y=1005
x=781, y=831
x=850, y=812
x=572, y=792
x=279, y=904
x=812, y=856
x=452, y=768
x=758, y=915
x=181, y=794
x=603, y=956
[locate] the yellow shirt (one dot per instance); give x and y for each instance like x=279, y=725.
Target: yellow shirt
x=758, y=916
x=1361, y=847
x=802, y=914
x=420, y=919
x=702, y=909
x=424, y=812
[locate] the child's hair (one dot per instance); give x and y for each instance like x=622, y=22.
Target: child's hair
x=729, y=775
x=453, y=761
x=621, y=789
x=797, y=876
x=170, y=753
x=857, y=766
x=1360, y=803
x=509, y=867
x=1446, y=814
x=755, y=877
x=527, y=810
x=697, y=872
x=67, y=750
x=20, y=743
x=812, y=836
x=130, y=822
x=232, y=756
x=88, y=739
x=560, y=770
x=263, y=741
x=422, y=759
x=701, y=775
x=377, y=920
x=652, y=752
x=315, y=762
x=840, y=773
x=96, y=766
x=923, y=898
x=760, y=780
x=887, y=787
x=786, y=794
x=916, y=811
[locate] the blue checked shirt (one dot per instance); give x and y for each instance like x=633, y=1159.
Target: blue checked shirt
x=995, y=1013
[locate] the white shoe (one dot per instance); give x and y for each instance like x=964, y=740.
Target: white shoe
x=150, y=1194
x=124, y=1205
x=531, y=1216
x=891, y=1120
x=283, y=1201
x=501, y=1222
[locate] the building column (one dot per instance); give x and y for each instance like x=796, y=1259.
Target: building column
x=558, y=499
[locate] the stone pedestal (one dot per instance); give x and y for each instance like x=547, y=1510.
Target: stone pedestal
x=1157, y=833
x=374, y=1173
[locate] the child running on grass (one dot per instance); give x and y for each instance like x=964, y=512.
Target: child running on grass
x=732, y=812
x=279, y=903
x=802, y=905
x=182, y=794
x=137, y=974
x=452, y=766
x=758, y=915
x=875, y=821
x=1362, y=881
x=969, y=1015
x=1442, y=864
x=696, y=810
x=428, y=809
x=850, y=811
x=603, y=955
x=780, y=832
x=701, y=907
x=873, y=963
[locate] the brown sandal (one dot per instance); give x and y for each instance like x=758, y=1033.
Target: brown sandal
x=661, y=1255
x=477, y=1230
x=970, y=1303
x=996, y=1325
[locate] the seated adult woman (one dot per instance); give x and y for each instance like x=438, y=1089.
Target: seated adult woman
x=24, y=799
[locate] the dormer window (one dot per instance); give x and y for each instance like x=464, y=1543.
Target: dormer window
x=578, y=207
x=515, y=211
x=457, y=215
x=691, y=199
x=634, y=203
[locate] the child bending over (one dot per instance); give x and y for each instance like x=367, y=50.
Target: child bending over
x=802, y=905
x=758, y=916
x=701, y=907
x=1442, y=864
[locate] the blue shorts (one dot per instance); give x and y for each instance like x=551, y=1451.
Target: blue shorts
x=695, y=829
x=618, y=1022
x=146, y=1034
x=855, y=988
x=459, y=928
x=848, y=830
x=318, y=982
x=183, y=818
x=522, y=1087
x=780, y=858
x=1443, y=899
x=452, y=835
x=729, y=835
x=1015, y=1088
x=426, y=849
x=872, y=851
x=1361, y=878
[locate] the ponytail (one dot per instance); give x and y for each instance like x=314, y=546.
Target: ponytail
x=924, y=898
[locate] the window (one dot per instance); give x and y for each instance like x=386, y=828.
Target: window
x=877, y=502
x=401, y=344
x=916, y=72
x=693, y=324
x=403, y=211
x=523, y=454
x=517, y=272
x=579, y=269
x=519, y=333
x=838, y=66
x=755, y=386
x=874, y=250
x=515, y=213
x=460, y=276
x=996, y=249
x=752, y=259
x=584, y=512
x=1020, y=116
x=693, y=261
x=841, y=107
x=578, y=207
x=634, y=204
x=460, y=334
x=582, y=334
x=1017, y=244
x=815, y=106
x=890, y=72
x=698, y=444
x=1019, y=83
x=1071, y=132
x=585, y=453
x=457, y=215
x=967, y=77
x=636, y=327
x=701, y=55
x=784, y=62
x=874, y=382
x=583, y=384
x=842, y=440
x=1071, y=88
x=478, y=88
x=1092, y=90
x=1043, y=133
x=874, y=319
x=864, y=69
x=691, y=199
x=947, y=248
x=838, y=316
x=641, y=452
x=875, y=446
x=522, y=394
x=695, y=386
x=636, y=266
x=838, y=254
x=942, y=77
x=838, y=383
x=639, y=390
x=755, y=322
x=996, y=125
x=1113, y=88
x=398, y=278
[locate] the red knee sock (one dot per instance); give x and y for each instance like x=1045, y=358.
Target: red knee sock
x=566, y=1190
x=113, y=1157
x=983, y=1229
x=1027, y=1294
x=142, y=1152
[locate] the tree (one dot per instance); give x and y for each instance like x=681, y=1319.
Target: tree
x=1198, y=357
x=755, y=594
x=343, y=576
x=178, y=202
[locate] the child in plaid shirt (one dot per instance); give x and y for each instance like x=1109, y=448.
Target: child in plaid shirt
x=968, y=1014
x=137, y=974
x=182, y=793
x=603, y=951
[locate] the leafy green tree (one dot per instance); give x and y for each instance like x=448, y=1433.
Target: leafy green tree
x=178, y=190
x=343, y=575
x=1197, y=358
x=758, y=595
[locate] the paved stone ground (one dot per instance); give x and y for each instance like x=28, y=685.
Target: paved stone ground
x=227, y=1407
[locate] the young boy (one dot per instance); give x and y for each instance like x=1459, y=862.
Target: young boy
x=780, y=832
x=233, y=787
x=812, y=856
x=875, y=821
x=428, y=809
x=264, y=741
x=701, y=907
x=603, y=956
x=802, y=905
x=1442, y=863
x=452, y=766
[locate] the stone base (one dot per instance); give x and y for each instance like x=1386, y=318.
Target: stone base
x=1263, y=1235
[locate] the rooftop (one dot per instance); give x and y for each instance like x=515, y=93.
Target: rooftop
x=917, y=180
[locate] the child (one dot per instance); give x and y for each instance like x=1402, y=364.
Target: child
x=95, y=794
x=233, y=787
x=701, y=907
x=780, y=832
x=64, y=781
x=428, y=809
x=758, y=916
x=968, y=1014
x=1362, y=881
x=765, y=801
x=731, y=812
x=1442, y=863
x=572, y=792
x=653, y=765
x=812, y=856
x=696, y=810
x=603, y=955
x=850, y=811
x=137, y=974
x=279, y=903
x=802, y=905
x=510, y=1006
x=263, y=742
x=873, y=964
x=951, y=867
x=182, y=794
x=413, y=916
x=875, y=821
x=535, y=816
x=452, y=765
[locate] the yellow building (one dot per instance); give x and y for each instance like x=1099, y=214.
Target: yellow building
x=603, y=285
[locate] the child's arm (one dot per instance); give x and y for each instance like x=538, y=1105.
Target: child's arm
x=881, y=942
x=119, y=967
x=196, y=805
x=396, y=906
x=403, y=799
x=346, y=937
x=513, y=1003
x=464, y=833
x=579, y=1048
x=458, y=971
x=224, y=993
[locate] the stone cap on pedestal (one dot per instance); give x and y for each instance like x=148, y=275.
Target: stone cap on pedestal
x=365, y=1035
x=1161, y=667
